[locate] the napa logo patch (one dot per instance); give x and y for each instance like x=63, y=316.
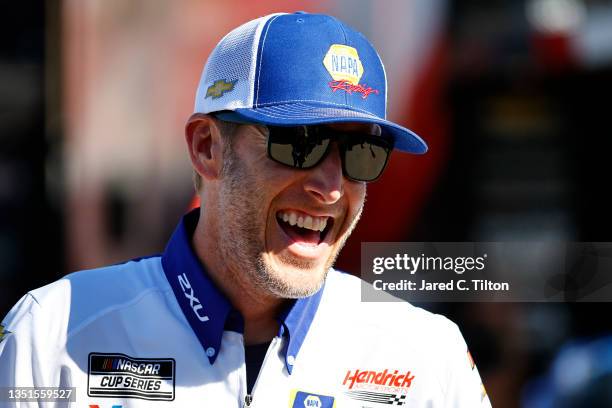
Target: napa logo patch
x=219, y=88
x=343, y=64
x=302, y=399
x=117, y=375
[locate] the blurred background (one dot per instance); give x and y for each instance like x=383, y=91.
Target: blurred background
x=513, y=97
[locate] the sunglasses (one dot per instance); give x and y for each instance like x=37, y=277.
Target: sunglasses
x=363, y=156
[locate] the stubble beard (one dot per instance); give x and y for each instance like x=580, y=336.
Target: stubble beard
x=241, y=246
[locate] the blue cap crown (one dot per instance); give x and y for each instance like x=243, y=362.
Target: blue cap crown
x=299, y=69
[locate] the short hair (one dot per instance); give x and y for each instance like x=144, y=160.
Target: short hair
x=228, y=130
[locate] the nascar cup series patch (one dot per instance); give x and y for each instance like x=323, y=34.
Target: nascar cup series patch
x=302, y=399
x=343, y=63
x=118, y=375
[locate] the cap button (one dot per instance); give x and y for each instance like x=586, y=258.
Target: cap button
x=301, y=12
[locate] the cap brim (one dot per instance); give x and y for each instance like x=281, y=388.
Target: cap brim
x=309, y=114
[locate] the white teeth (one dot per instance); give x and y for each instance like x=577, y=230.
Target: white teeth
x=308, y=222
x=322, y=223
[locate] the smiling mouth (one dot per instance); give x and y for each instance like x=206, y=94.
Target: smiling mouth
x=304, y=229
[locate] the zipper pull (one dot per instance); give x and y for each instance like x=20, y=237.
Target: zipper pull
x=248, y=399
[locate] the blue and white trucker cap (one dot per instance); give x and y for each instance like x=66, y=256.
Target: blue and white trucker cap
x=299, y=69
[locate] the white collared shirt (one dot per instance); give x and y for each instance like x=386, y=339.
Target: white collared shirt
x=156, y=332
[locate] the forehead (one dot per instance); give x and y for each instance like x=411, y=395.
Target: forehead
x=370, y=128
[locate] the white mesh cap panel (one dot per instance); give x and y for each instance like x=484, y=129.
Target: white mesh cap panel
x=232, y=63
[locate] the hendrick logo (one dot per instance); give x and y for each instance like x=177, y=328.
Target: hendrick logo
x=377, y=397
x=118, y=375
x=382, y=387
x=194, y=302
x=386, y=378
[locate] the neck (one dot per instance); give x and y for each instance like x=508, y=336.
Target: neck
x=258, y=308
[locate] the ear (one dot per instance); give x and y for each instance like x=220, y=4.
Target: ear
x=205, y=145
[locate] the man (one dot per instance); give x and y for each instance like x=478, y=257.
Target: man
x=243, y=307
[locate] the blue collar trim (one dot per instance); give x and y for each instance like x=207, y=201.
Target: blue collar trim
x=295, y=321
x=209, y=312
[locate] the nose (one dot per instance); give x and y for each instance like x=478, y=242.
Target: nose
x=326, y=182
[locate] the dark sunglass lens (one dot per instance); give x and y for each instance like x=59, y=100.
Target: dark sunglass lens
x=296, y=146
x=366, y=161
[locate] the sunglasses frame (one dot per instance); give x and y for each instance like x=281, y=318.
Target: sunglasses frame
x=344, y=139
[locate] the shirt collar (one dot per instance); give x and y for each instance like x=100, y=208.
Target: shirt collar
x=209, y=312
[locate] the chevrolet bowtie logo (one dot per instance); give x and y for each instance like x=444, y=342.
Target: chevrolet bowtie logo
x=3, y=333
x=219, y=88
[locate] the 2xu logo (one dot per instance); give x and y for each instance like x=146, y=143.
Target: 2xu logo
x=195, y=304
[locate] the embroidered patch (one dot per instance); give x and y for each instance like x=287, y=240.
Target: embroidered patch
x=343, y=85
x=377, y=397
x=302, y=399
x=383, y=387
x=118, y=375
x=219, y=88
x=343, y=64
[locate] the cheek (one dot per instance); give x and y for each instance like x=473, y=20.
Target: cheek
x=355, y=193
x=263, y=174
x=269, y=173
x=280, y=180
x=274, y=184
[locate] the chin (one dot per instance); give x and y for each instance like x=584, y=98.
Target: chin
x=294, y=278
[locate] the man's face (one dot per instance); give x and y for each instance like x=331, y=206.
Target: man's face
x=282, y=228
